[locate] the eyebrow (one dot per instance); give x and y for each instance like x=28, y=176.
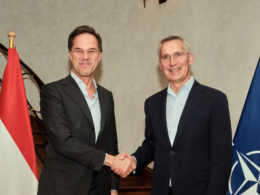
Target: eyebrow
x=78, y=48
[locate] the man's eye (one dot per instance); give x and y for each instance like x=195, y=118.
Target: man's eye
x=179, y=54
x=78, y=51
x=165, y=57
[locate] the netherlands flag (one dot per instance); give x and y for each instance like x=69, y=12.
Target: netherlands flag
x=18, y=168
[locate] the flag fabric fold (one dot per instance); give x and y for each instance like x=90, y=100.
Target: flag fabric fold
x=18, y=168
x=245, y=173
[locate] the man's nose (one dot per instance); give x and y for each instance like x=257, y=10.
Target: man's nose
x=85, y=54
x=173, y=61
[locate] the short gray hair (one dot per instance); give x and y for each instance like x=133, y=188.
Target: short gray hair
x=174, y=37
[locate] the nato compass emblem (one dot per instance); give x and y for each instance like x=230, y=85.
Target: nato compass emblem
x=245, y=174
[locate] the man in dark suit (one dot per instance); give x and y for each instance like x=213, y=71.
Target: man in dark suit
x=80, y=121
x=188, y=131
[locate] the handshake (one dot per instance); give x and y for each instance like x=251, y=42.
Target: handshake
x=122, y=164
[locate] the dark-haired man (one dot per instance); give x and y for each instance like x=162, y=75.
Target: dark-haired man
x=80, y=121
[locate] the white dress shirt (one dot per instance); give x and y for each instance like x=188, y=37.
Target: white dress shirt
x=174, y=107
x=93, y=104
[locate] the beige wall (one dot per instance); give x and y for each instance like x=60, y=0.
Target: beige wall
x=224, y=36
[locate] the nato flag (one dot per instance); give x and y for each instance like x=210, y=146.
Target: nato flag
x=245, y=173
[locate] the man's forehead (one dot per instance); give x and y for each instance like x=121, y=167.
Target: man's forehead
x=85, y=41
x=173, y=45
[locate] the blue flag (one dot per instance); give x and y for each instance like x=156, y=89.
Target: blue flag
x=245, y=173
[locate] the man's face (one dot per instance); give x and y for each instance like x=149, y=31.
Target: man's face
x=85, y=55
x=175, y=62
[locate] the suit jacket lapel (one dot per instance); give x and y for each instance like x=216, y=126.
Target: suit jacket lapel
x=102, y=102
x=73, y=90
x=162, y=115
x=189, y=109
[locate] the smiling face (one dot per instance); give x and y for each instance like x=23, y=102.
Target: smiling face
x=175, y=62
x=85, y=56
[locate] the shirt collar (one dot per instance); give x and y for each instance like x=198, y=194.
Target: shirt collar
x=79, y=81
x=82, y=85
x=187, y=86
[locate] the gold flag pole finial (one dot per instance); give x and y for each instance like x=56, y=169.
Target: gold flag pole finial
x=11, y=36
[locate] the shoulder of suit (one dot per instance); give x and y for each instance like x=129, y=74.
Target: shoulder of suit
x=102, y=90
x=157, y=96
x=209, y=90
x=56, y=83
x=196, y=86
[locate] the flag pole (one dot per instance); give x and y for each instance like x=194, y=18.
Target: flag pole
x=11, y=36
x=18, y=161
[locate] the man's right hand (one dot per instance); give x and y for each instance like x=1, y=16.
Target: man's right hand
x=122, y=164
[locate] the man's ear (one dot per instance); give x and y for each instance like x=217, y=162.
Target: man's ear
x=160, y=65
x=191, y=58
x=99, y=57
x=69, y=54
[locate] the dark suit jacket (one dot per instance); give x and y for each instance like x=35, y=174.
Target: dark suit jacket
x=72, y=154
x=199, y=162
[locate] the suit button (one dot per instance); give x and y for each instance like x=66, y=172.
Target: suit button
x=172, y=153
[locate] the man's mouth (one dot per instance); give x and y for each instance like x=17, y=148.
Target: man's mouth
x=175, y=69
x=85, y=63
